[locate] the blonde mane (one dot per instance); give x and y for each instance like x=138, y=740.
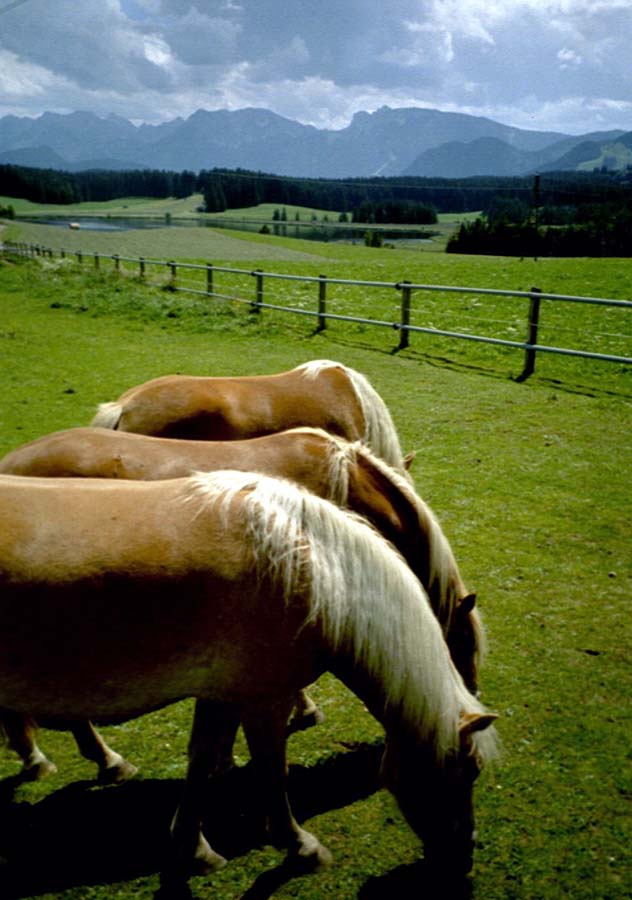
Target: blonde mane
x=362, y=596
x=380, y=433
x=445, y=586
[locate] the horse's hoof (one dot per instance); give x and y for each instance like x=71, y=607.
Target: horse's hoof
x=39, y=770
x=207, y=862
x=308, y=720
x=117, y=773
x=310, y=856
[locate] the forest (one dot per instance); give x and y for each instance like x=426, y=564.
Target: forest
x=556, y=213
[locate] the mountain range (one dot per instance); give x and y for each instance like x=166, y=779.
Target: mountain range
x=387, y=142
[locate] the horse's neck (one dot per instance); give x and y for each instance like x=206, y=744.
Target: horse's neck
x=374, y=495
x=362, y=684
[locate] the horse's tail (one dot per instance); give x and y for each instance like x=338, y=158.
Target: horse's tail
x=363, y=598
x=108, y=415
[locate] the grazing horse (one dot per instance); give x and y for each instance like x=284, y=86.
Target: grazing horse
x=346, y=473
x=120, y=597
x=320, y=393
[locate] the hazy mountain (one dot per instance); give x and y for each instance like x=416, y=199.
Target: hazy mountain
x=613, y=152
x=387, y=142
x=492, y=156
x=34, y=157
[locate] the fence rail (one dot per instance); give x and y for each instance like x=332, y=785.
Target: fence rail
x=322, y=314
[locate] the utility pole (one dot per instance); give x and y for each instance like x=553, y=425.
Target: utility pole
x=536, y=208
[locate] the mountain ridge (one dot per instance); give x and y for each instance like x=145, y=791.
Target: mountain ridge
x=386, y=142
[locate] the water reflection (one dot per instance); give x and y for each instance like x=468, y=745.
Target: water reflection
x=310, y=231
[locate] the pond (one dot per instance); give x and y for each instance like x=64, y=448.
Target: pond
x=310, y=231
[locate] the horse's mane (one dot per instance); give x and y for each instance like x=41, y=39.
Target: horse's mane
x=380, y=433
x=445, y=584
x=362, y=596
x=444, y=578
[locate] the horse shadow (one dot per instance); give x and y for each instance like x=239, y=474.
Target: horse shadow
x=84, y=834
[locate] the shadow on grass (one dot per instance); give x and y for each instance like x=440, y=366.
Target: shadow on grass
x=85, y=835
x=493, y=371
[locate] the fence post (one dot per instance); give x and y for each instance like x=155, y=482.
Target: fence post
x=322, y=303
x=79, y=256
x=62, y=253
x=256, y=306
x=172, y=278
x=532, y=334
x=405, y=316
x=117, y=262
x=209, y=278
x=141, y=266
x=96, y=260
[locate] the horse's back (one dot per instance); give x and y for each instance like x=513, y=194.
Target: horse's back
x=118, y=597
x=218, y=408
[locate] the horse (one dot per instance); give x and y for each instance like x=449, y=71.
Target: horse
x=320, y=393
x=121, y=597
x=346, y=473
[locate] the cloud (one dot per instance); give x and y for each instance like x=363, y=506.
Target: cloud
x=513, y=60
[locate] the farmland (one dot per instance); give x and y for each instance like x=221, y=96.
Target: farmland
x=531, y=483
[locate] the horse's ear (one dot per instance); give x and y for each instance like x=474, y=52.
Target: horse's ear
x=472, y=722
x=468, y=603
x=408, y=460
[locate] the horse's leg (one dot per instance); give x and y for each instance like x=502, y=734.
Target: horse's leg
x=113, y=768
x=305, y=713
x=21, y=731
x=212, y=737
x=266, y=733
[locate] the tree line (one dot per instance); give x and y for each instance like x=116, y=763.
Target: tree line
x=53, y=186
x=511, y=228
x=583, y=212
x=225, y=189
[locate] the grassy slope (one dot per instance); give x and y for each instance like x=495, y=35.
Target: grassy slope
x=147, y=206
x=531, y=484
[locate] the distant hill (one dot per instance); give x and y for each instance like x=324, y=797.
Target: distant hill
x=387, y=142
x=607, y=154
x=34, y=157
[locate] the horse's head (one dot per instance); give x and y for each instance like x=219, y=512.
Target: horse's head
x=465, y=641
x=436, y=797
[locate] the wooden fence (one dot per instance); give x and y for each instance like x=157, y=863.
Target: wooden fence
x=321, y=312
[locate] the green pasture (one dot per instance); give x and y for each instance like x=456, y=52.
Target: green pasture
x=562, y=324
x=127, y=206
x=186, y=209
x=531, y=483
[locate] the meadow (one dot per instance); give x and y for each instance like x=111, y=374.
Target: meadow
x=531, y=483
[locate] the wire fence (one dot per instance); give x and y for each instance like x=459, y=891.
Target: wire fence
x=499, y=317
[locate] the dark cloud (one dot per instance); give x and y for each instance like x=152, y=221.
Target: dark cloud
x=550, y=63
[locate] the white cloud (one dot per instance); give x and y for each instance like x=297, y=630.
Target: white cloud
x=20, y=79
x=550, y=63
x=157, y=51
x=568, y=58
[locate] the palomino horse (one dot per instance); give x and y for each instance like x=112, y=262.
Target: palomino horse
x=120, y=597
x=320, y=393
x=348, y=474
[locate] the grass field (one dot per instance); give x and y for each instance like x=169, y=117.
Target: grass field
x=186, y=209
x=531, y=483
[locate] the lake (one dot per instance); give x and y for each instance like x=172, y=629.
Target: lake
x=311, y=231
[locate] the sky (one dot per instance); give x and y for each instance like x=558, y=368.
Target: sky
x=547, y=65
